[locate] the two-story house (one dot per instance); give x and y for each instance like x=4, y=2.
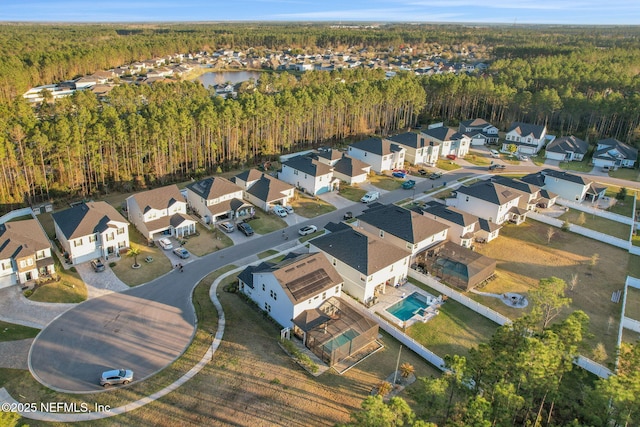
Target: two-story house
x=566, y=185
x=381, y=154
x=25, y=253
x=532, y=195
x=480, y=131
x=528, y=138
x=345, y=168
x=366, y=262
x=217, y=198
x=309, y=175
x=402, y=227
x=91, y=230
x=161, y=211
x=491, y=201
x=302, y=293
x=567, y=149
x=263, y=190
x=464, y=227
x=613, y=154
x=451, y=142
x=419, y=149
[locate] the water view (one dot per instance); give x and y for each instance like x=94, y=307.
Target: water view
x=234, y=77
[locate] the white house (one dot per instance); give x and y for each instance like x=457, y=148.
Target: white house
x=528, y=138
x=297, y=283
x=451, y=141
x=309, y=175
x=419, y=149
x=566, y=149
x=381, y=154
x=566, y=185
x=480, y=131
x=366, y=262
x=531, y=195
x=345, y=168
x=160, y=211
x=25, y=253
x=216, y=198
x=464, y=227
x=404, y=228
x=612, y=154
x=489, y=200
x=91, y=230
x=263, y=190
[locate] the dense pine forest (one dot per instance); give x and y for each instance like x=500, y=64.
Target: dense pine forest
x=582, y=81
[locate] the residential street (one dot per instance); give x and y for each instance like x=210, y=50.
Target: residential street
x=147, y=327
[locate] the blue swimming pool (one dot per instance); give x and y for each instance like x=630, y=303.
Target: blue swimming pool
x=340, y=340
x=407, y=307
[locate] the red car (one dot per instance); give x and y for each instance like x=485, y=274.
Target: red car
x=451, y=156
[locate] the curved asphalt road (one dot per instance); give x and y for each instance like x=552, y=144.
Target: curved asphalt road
x=147, y=327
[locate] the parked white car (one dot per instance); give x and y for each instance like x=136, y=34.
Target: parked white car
x=280, y=211
x=370, y=197
x=495, y=153
x=165, y=244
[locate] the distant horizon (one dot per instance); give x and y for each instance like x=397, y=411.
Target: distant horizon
x=358, y=12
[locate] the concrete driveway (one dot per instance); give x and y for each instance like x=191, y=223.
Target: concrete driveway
x=336, y=200
x=101, y=283
x=15, y=308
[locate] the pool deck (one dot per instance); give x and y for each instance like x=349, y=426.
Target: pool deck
x=392, y=295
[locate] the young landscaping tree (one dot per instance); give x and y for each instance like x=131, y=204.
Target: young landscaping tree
x=622, y=194
x=548, y=300
x=573, y=281
x=599, y=353
x=512, y=148
x=566, y=225
x=406, y=369
x=594, y=260
x=384, y=388
x=550, y=233
x=376, y=413
x=133, y=253
x=581, y=219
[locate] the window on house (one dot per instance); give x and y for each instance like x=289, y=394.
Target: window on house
x=110, y=237
x=467, y=199
x=77, y=242
x=40, y=254
x=121, y=244
x=381, y=233
x=334, y=261
x=295, y=172
x=264, y=287
x=23, y=264
x=121, y=230
x=30, y=261
x=6, y=265
x=337, y=289
x=93, y=238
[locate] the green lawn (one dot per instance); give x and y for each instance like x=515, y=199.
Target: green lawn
x=351, y=192
x=447, y=165
x=622, y=207
x=13, y=332
x=592, y=222
x=69, y=289
x=384, y=182
x=207, y=241
x=311, y=207
x=265, y=223
x=582, y=166
x=478, y=158
x=266, y=254
x=455, y=330
x=632, y=308
x=626, y=173
x=311, y=236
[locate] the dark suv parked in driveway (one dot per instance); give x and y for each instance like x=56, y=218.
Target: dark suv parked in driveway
x=245, y=228
x=97, y=265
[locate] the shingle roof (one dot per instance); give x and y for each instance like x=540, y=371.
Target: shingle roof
x=565, y=176
x=350, y=167
x=408, y=139
x=158, y=198
x=568, y=144
x=268, y=188
x=475, y=123
x=489, y=191
x=86, y=218
x=330, y=154
x=213, y=187
x=625, y=150
x=309, y=166
x=516, y=184
x=377, y=146
x=525, y=129
x=360, y=250
x=534, y=178
x=449, y=213
x=250, y=175
x=443, y=133
x=407, y=225
x=21, y=238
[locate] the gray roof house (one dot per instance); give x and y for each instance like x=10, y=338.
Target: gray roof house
x=309, y=175
x=527, y=137
x=215, y=198
x=345, y=168
x=366, y=262
x=263, y=190
x=567, y=149
x=451, y=141
x=420, y=150
x=566, y=185
x=381, y=154
x=491, y=201
x=531, y=193
x=612, y=154
x=480, y=131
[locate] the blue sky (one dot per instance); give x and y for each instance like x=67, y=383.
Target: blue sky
x=576, y=12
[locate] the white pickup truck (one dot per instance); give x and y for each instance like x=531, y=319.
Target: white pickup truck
x=370, y=197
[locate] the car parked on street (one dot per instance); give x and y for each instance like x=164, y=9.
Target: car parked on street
x=423, y=172
x=494, y=153
x=116, y=376
x=496, y=166
x=181, y=252
x=165, y=244
x=309, y=229
x=409, y=184
x=227, y=226
x=347, y=215
x=246, y=229
x=97, y=265
x=435, y=175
